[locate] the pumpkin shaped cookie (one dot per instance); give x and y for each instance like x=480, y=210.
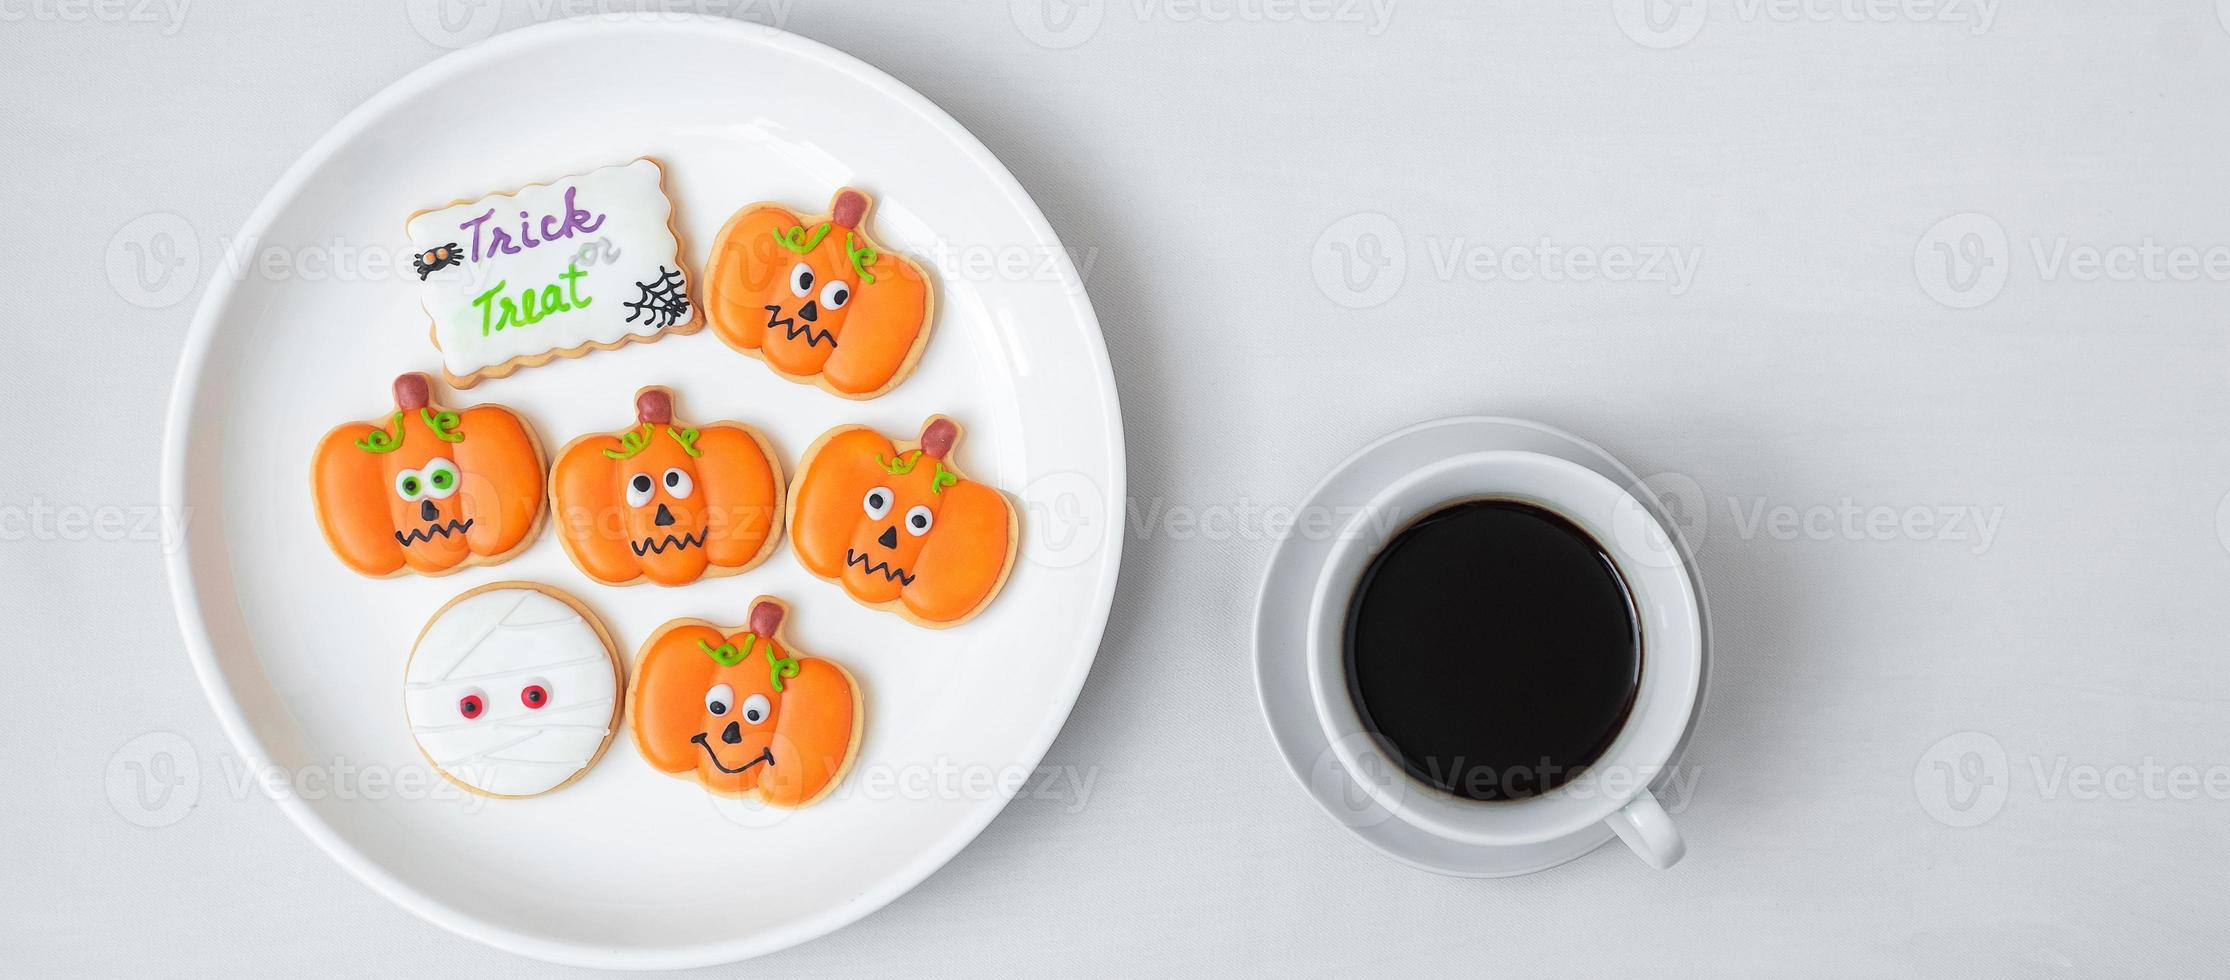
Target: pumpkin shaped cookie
x=667, y=502
x=742, y=711
x=816, y=299
x=426, y=489
x=899, y=527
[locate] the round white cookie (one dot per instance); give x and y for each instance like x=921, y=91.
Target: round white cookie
x=513, y=690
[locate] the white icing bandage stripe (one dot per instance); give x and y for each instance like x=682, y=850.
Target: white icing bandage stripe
x=454, y=655
x=500, y=675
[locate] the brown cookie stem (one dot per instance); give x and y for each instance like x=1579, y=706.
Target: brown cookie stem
x=848, y=208
x=937, y=437
x=413, y=392
x=654, y=405
x=766, y=618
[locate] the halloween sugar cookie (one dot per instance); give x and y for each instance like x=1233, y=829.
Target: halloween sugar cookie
x=815, y=298
x=742, y=711
x=513, y=690
x=427, y=489
x=898, y=526
x=587, y=262
x=667, y=502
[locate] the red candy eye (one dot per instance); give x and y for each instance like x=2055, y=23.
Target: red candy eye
x=534, y=695
x=470, y=706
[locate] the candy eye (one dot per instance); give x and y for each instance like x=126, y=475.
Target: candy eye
x=918, y=520
x=877, y=503
x=719, y=698
x=639, y=488
x=678, y=484
x=472, y=704
x=835, y=295
x=441, y=478
x=410, y=485
x=801, y=279
x=755, y=709
x=534, y=696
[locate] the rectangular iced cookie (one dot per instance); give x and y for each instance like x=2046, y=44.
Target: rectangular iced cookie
x=586, y=262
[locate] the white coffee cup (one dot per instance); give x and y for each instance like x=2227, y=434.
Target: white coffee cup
x=1614, y=789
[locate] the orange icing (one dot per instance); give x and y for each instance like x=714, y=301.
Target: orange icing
x=720, y=519
x=792, y=754
x=859, y=349
x=493, y=509
x=936, y=577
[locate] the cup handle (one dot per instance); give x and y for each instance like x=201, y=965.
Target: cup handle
x=1646, y=828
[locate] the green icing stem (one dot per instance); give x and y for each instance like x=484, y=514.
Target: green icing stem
x=726, y=655
x=444, y=424
x=631, y=443
x=796, y=241
x=381, y=440
x=779, y=667
x=901, y=465
x=862, y=256
x=905, y=463
x=634, y=442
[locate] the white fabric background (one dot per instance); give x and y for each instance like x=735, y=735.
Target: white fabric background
x=1197, y=163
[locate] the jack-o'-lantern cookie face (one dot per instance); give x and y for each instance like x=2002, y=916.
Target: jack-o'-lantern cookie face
x=816, y=299
x=666, y=502
x=899, y=527
x=742, y=712
x=427, y=489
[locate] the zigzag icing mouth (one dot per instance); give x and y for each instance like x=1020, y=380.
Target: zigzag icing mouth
x=792, y=330
x=659, y=546
x=882, y=568
x=427, y=533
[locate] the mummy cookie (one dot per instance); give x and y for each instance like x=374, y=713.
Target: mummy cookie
x=588, y=262
x=899, y=527
x=513, y=690
x=428, y=489
x=815, y=298
x=667, y=502
x=743, y=712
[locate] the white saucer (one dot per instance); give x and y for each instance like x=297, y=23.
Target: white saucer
x=1282, y=617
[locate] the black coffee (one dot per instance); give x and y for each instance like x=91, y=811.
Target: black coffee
x=1493, y=649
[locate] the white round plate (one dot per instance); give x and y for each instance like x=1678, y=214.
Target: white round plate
x=1281, y=625
x=307, y=323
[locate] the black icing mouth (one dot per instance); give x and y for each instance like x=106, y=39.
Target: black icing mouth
x=430, y=531
x=889, y=572
x=659, y=546
x=766, y=755
x=793, y=330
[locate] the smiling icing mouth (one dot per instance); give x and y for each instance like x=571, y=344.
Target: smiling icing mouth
x=766, y=755
x=658, y=546
x=882, y=568
x=427, y=533
x=792, y=330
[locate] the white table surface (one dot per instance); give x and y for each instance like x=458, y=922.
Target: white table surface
x=1802, y=383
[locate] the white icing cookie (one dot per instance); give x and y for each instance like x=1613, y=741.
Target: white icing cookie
x=513, y=690
x=588, y=262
